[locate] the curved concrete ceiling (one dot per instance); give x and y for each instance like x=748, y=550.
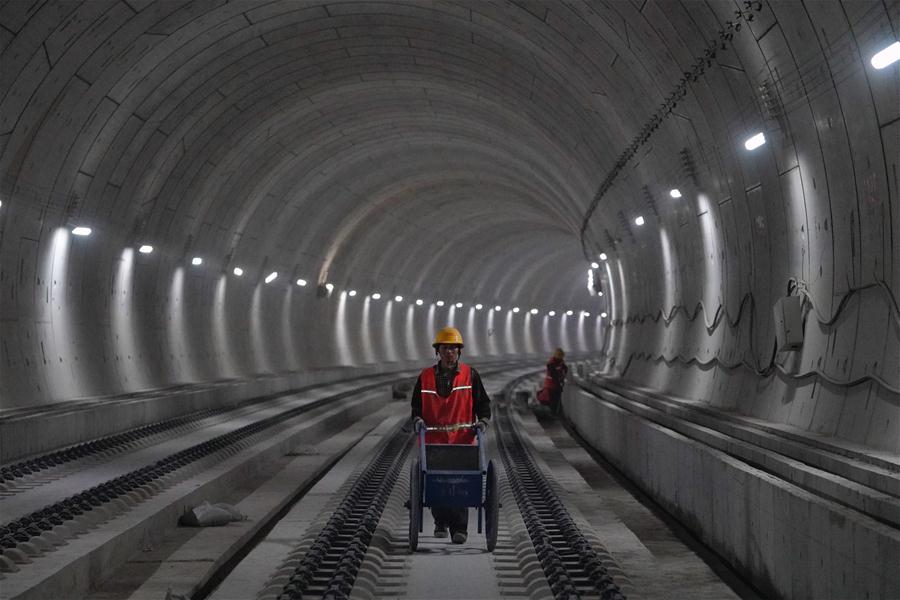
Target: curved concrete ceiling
x=441, y=149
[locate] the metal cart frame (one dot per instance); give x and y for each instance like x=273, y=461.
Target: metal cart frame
x=454, y=475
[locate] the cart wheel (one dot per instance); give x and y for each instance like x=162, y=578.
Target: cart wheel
x=415, y=504
x=491, y=507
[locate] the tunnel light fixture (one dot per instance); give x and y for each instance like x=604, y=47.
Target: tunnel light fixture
x=888, y=56
x=755, y=141
x=145, y=249
x=82, y=231
x=196, y=261
x=419, y=302
x=497, y=308
x=459, y=305
x=675, y=193
x=603, y=315
x=376, y=296
x=300, y=282
x=329, y=287
x=552, y=313
x=479, y=306
x=273, y=276
x=585, y=313
x=570, y=313
x=533, y=311
x=599, y=292
x=238, y=271
x=639, y=221
x=351, y=293
x=603, y=256
x=440, y=302
x=595, y=265
x=398, y=298
x=515, y=309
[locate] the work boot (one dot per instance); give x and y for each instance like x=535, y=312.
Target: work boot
x=459, y=537
x=440, y=531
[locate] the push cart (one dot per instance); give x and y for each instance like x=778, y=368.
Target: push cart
x=453, y=475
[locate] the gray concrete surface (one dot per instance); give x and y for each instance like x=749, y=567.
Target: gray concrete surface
x=789, y=542
x=453, y=151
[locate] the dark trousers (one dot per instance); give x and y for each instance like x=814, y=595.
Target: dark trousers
x=556, y=401
x=455, y=519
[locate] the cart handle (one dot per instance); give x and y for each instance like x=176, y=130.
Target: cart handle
x=457, y=427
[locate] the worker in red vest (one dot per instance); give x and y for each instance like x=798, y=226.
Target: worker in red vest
x=447, y=394
x=555, y=380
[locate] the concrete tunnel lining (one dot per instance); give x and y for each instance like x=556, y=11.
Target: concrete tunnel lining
x=454, y=151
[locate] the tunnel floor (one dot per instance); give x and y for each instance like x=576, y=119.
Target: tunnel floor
x=647, y=553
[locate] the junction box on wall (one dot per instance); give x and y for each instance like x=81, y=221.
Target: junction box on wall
x=789, y=323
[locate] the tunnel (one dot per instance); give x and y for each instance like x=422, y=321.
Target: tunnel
x=215, y=205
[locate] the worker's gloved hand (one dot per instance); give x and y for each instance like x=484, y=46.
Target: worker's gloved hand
x=481, y=425
x=418, y=423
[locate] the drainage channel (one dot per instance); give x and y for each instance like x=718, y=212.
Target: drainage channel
x=572, y=567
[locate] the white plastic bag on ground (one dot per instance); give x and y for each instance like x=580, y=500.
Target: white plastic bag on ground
x=210, y=515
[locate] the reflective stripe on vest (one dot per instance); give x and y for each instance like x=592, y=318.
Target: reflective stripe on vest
x=455, y=409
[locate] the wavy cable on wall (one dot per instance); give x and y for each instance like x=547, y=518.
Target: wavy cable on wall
x=721, y=315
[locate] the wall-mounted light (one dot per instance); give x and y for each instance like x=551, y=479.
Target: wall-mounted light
x=603, y=256
x=888, y=56
x=419, y=302
x=497, y=308
x=440, y=302
x=552, y=313
x=603, y=315
x=398, y=298
x=515, y=309
x=301, y=282
x=459, y=305
x=82, y=231
x=534, y=311
x=595, y=265
x=196, y=261
x=639, y=221
x=238, y=271
x=329, y=287
x=570, y=313
x=675, y=193
x=273, y=276
x=145, y=249
x=351, y=293
x=599, y=292
x=376, y=296
x=479, y=306
x=755, y=141
x=585, y=313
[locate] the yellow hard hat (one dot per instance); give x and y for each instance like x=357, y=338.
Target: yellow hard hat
x=448, y=335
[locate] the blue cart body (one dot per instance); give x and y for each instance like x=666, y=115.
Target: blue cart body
x=453, y=474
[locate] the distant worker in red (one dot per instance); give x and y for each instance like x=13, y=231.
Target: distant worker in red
x=449, y=394
x=555, y=380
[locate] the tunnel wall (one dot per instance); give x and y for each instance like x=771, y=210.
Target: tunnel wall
x=814, y=213
x=788, y=542
x=87, y=317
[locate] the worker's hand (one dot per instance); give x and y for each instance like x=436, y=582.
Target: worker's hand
x=418, y=424
x=481, y=425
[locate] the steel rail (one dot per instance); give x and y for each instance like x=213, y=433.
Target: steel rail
x=572, y=567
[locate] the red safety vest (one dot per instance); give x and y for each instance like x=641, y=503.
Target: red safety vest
x=455, y=409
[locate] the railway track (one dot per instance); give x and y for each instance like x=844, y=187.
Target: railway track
x=326, y=562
